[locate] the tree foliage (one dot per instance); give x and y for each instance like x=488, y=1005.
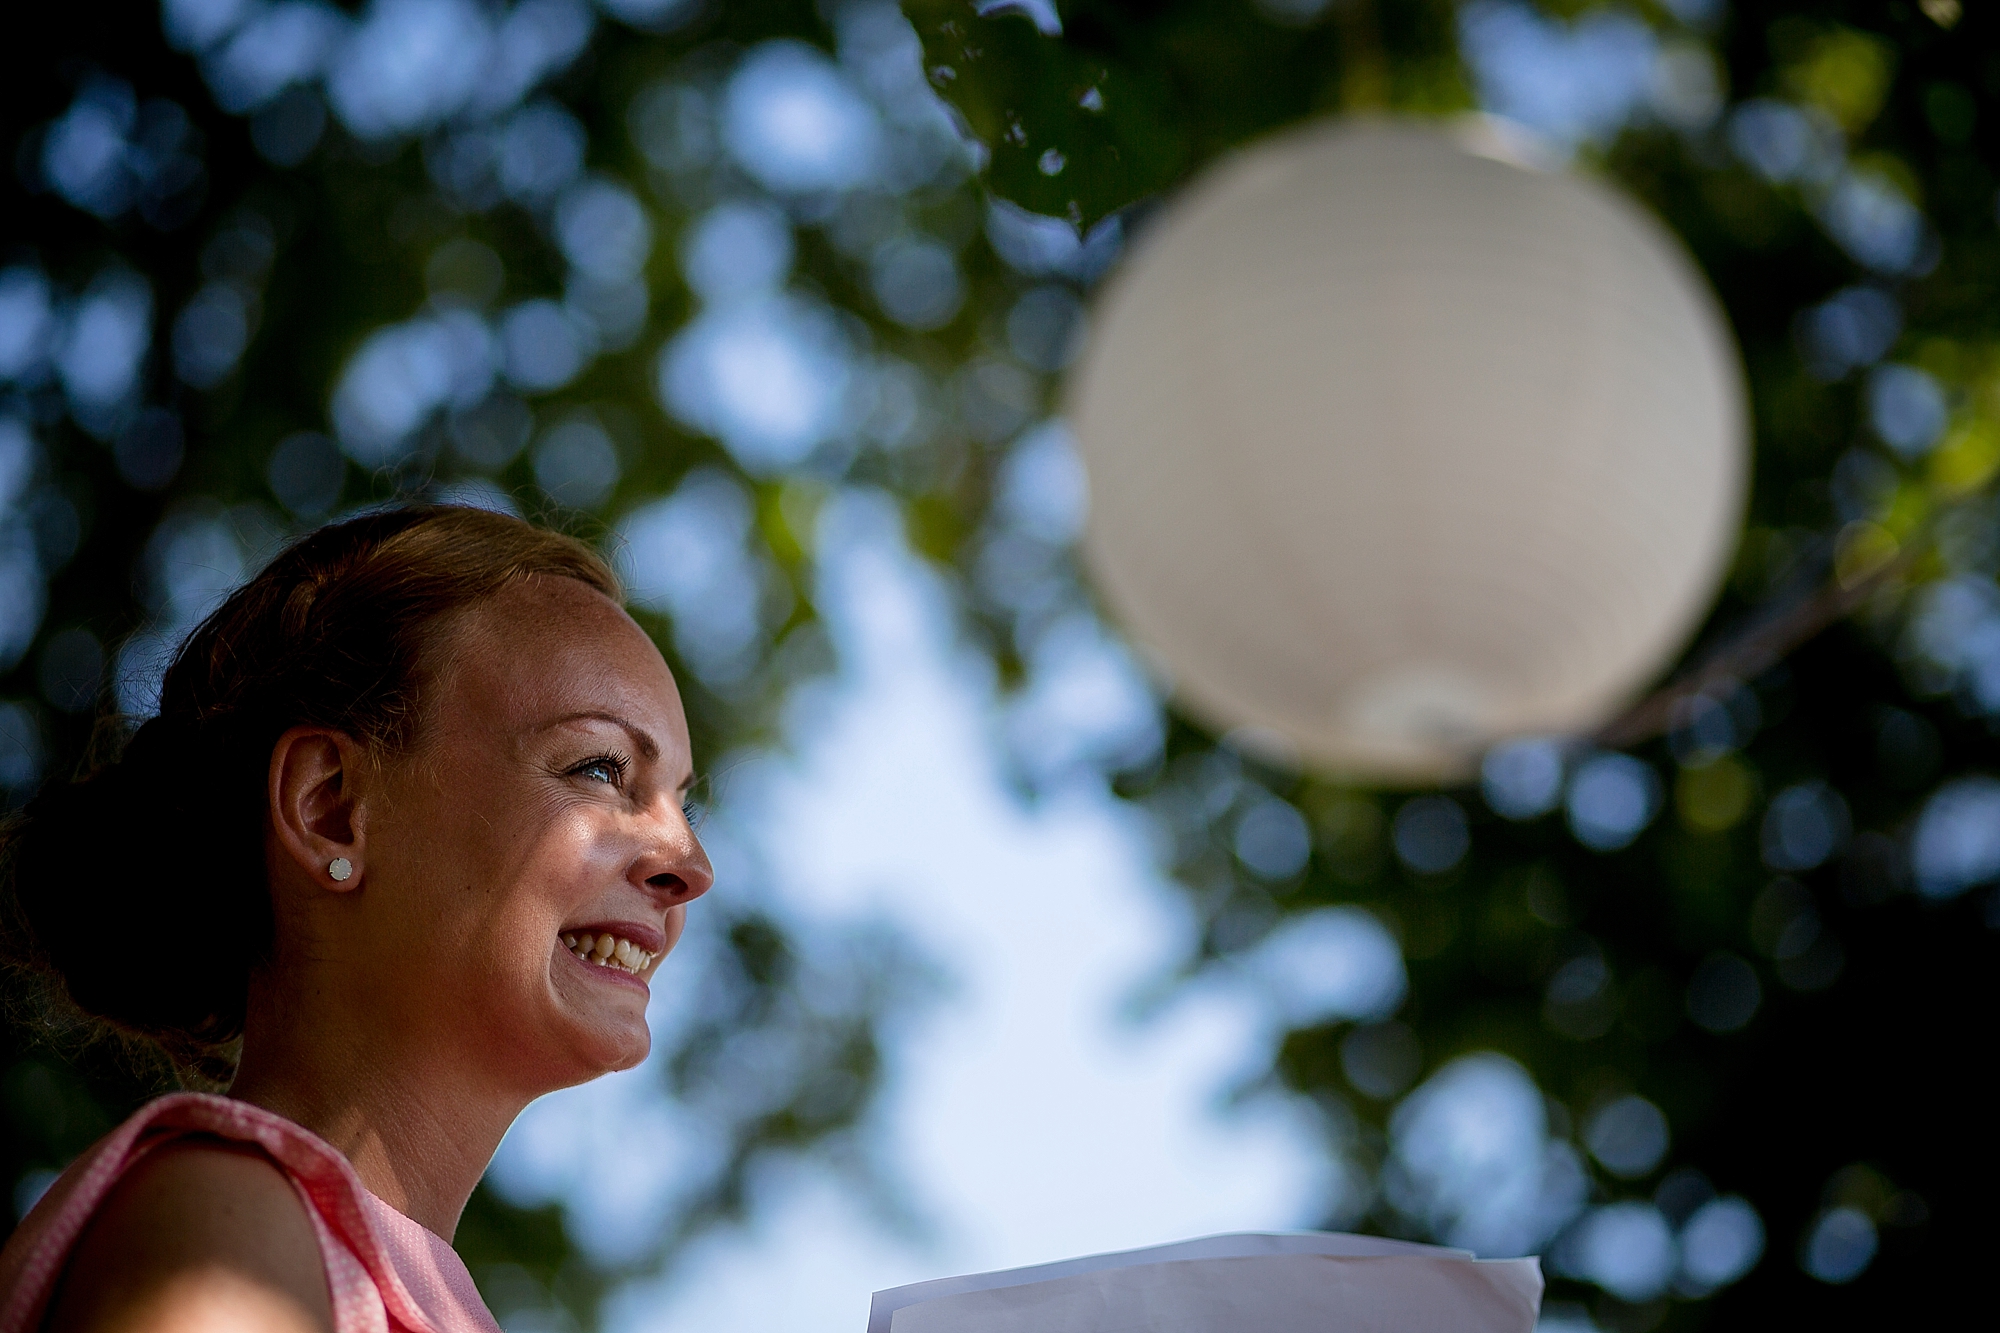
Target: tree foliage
x=1787, y=961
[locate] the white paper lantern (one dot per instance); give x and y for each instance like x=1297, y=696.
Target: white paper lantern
x=1398, y=448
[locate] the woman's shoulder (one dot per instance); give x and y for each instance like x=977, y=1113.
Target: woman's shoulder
x=192, y=1183
x=201, y=1233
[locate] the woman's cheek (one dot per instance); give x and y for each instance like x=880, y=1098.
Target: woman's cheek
x=677, y=919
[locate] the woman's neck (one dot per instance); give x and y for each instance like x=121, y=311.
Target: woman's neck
x=418, y=1129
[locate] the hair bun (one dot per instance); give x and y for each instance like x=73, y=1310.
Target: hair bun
x=136, y=891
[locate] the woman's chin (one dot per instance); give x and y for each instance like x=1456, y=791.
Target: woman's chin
x=583, y=1035
x=578, y=1056
x=633, y=1056
x=612, y=1043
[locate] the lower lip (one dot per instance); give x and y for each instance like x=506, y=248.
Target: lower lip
x=616, y=975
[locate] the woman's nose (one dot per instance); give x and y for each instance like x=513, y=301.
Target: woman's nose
x=674, y=863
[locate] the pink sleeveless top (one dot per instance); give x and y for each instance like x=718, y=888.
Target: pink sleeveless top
x=384, y=1272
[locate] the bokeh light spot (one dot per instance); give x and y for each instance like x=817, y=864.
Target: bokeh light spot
x=603, y=231
x=1839, y=1246
x=1854, y=327
x=402, y=374
x=1470, y=1159
x=1714, y=797
x=1569, y=81
x=1043, y=489
x=25, y=318
x=577, y=464
x=408, y=64
x=210, y=334
x=1872, y=220
x=1720, y=1242
x=1626, y=1248
x=1724, y=993
x=23, y=593
x=1272, y=839
x=1332, y=963
x=769, y=378
x=100, y=353
x=307, y=473
x=1628, y=1135
x=1907, y=408
x=1431, y=834
x=736, y=250
x=1612, y=798
x=542, y=346
x=794, y=122
x=1522, y=779
x=915, y=281
x=686, y=556
x=1957, y=840
x=1804, y=825
x=1781, y=143
x=539, y=151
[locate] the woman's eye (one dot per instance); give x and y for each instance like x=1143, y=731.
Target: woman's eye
x=599, y=770
x=694, y=812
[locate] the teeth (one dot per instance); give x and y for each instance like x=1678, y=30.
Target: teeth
x=607, y=951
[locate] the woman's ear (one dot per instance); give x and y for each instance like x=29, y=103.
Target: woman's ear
x=315, y=807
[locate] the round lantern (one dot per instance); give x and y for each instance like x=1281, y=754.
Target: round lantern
x=1398, y=447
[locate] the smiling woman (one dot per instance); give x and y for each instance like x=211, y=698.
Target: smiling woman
x=400, y=853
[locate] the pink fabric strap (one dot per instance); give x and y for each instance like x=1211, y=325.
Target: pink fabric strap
x=368, y=1293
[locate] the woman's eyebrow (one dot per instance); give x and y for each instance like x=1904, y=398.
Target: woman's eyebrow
x=641, y=738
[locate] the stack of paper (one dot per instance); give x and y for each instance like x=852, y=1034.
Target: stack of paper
x=1292, y=1282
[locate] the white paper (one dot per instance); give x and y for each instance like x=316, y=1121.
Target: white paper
x=1274, y=1293
x=1270, y=1282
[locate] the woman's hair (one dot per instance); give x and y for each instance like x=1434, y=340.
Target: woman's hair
x=138, y=891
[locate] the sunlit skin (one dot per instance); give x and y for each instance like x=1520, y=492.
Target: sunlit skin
x=410, y=1013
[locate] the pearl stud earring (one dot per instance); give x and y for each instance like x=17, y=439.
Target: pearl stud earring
x=340, y=868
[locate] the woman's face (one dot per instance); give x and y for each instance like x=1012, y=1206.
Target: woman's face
x=530, y=859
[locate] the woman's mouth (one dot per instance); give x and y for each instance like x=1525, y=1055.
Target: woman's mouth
x=604, y=949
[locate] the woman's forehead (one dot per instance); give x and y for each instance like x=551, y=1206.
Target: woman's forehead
x=537, y=650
